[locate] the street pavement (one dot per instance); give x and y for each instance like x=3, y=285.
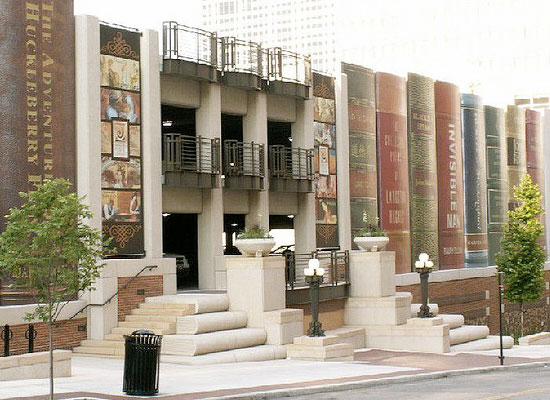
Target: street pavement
x=101, y=378
x=524, y=384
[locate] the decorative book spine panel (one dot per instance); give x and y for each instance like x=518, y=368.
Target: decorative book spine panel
x=393, y=166
x=362, y=147
x=497, y=179
x=516, y=151
x=475, y=181
x=449, y=175
x=422, y=167
x=324, y=128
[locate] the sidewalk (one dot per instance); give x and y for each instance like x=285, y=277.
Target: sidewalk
x=102, y=378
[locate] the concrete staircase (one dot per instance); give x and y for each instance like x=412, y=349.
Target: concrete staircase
x=196, y=329
x=466, y=338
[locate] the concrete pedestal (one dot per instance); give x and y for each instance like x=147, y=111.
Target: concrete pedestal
x=323, y=348
x=388, y=310
x=372, y=273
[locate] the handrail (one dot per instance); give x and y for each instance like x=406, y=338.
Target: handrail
x=243, y=158
x=150, y=268
x=335, y=262
x=290, y=162
x=190, y=153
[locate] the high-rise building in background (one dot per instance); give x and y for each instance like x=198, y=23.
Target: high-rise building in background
x=488, y=47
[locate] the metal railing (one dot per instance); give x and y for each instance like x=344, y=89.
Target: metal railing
x=6, y=335
x=242, y=158
x=335, y=263
x=182, y=42
x=190, y=153
x=290, y=162
x=288, y=66
x=229, y=54
x=244, y=56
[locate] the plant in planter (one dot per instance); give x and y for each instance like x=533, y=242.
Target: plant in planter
x=371, y=238
x=254, y=241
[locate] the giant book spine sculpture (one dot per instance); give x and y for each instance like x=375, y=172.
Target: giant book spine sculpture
x=534, y=149
x=362, y=146
x=516, y=152
x=393, y=166
x=475, y=181
x=497, y=178
x=449, y=175
x=422, y=167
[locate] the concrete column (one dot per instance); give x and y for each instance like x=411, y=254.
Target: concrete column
x=88, y=127
x=211, y=267
x=255, y=130
x=304, y=221
x=342, y=162
x=151, y=135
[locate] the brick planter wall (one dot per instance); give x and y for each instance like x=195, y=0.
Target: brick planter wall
x=66, y=335
x=136, y=292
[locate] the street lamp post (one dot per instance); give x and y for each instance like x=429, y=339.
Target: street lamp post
x=314, y=277
x=500, y=288
x=424, y=267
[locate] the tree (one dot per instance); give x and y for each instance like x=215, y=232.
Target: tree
x=48, y=248
x=522, y=257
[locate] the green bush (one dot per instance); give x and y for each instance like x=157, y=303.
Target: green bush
x=371, y=230
x=254, y=233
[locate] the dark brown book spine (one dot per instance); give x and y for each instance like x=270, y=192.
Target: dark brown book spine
x=362, y=146
x=516, y=152
x=449, y=175
x=393, y=166
x=422, y=167
x=534, y=149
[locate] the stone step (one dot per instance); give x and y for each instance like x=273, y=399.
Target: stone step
x=128, y=330
x=491, y=342
x=192, y=345
x=148, y=325
x=453, y=320
x=166, y=306
x=210, y=322
x=203, y=303
x=99, y=351
x=170, y=312
x=354, y=335
x=102, y=343
x=468, y=333
x=415, y=308
x=256, y=353
x=116, y=337
x=153, y=318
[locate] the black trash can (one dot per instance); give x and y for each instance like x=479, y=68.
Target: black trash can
x=141, y=363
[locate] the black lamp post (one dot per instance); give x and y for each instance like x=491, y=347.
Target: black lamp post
x=500, y=289
x=314, y=278
x=424, y=267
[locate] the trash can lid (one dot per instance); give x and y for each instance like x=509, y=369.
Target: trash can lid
x=142, y=332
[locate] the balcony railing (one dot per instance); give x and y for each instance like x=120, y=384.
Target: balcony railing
x=190, y=160
x=274, y=68
x=243, y=164
x=290, y=169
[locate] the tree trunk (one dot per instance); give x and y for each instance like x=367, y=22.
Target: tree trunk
x=521, y=311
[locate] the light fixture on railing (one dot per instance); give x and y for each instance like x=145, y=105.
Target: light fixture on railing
x=314, y=276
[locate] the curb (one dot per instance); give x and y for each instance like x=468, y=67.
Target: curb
x=339, y=387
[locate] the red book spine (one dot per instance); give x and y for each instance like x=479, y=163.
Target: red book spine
x=393, y=165
x=449, y=175
x=533, y=138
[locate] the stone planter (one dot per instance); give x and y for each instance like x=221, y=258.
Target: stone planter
x=371, y=243
x=255, y=247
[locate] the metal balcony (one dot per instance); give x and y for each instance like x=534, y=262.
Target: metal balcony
x=290, y=169
x=244, y=63
x=192, y=161
x=190, y=51
x=289, y=73
x=243, y=165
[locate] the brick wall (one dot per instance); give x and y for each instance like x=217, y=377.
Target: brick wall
x=477, y=300
x=136, y=292
x=66, y=335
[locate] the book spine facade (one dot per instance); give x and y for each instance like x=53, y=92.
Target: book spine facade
x=497, y=179
x=324, y=131
x=449, y=175
x=362, y=147
x=422, y=167
x=475, y=182
x=534, y=151
x=393, y=166
x=516, y=150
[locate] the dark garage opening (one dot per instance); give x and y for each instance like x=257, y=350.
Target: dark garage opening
x=180, y=240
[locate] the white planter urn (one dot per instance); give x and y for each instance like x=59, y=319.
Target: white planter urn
x=371, y=243
x=255, y=247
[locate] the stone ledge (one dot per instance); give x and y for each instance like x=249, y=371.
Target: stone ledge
x=542, y=338
x=35, y=365
x=284, y=316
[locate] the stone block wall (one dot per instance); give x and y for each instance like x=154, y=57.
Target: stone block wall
x=331, y=313
x=136, y=292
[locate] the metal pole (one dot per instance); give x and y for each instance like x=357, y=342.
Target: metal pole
x=315, y=327
x=424, y=308
x=500, y=288
x=6, y=337
x=31, y=335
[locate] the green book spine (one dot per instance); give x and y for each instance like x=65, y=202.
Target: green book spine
x=422, y=167
x=497, y=178
x=516, y=150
